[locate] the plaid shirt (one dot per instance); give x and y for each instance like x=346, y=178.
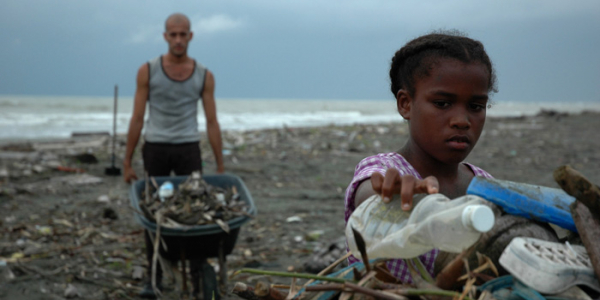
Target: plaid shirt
x=380, y=163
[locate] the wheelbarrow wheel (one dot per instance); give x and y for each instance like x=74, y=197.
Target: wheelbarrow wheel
x=204, y=282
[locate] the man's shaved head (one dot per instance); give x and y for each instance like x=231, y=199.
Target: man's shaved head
x=177, y=18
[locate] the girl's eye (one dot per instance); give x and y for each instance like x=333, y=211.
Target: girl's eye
x=441, y=104
x=477, y=107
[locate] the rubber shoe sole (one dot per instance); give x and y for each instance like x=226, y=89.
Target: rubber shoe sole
x=548, y=267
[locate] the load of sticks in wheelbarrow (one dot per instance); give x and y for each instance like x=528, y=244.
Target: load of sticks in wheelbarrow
x=194, y=202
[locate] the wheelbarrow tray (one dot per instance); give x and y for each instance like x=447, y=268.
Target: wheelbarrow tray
x=198, y=241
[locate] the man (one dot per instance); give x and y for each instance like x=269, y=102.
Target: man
x=171, y=85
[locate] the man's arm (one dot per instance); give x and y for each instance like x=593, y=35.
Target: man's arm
x=212, y=124
x=137, y=121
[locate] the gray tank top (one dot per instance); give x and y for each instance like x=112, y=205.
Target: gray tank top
x=173, y=105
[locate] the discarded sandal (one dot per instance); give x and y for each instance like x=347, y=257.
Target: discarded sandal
x=548, y=267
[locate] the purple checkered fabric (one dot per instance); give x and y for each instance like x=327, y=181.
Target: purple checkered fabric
x=380, y=163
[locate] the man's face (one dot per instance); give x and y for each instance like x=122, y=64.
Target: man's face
x=178, y=35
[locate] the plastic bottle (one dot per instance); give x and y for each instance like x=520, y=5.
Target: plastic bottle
x=434, y=222
x=166, y=191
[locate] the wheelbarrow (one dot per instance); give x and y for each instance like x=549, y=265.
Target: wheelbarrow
x=198, y=242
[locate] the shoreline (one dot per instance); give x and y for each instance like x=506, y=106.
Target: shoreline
x=121, y=136
x=56, y=118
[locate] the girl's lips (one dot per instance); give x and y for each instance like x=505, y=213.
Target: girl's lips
x=459, y=142
x=458, y=145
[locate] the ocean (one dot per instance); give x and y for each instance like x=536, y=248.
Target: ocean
x=49, y=117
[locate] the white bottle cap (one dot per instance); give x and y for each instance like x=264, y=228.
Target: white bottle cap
x=478, y=217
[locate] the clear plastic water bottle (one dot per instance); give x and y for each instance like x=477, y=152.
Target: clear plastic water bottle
x=166, y=191
x=434, y=222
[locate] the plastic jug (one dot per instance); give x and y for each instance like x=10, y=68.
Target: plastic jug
x=434, y=222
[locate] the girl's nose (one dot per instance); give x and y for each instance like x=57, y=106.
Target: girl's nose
x=460, y=120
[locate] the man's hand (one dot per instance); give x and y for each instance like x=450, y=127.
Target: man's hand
x=129, y=174
x=220, y=169
x=406, y=186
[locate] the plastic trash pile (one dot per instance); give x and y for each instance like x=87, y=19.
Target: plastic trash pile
x=536, y=268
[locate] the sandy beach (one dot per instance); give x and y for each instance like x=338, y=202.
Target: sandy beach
x=63, y=232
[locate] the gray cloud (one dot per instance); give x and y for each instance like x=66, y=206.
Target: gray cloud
x=295, y=49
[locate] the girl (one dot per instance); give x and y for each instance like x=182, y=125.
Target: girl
x=441, y=83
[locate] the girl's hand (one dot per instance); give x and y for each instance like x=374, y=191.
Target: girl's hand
x=406, y=185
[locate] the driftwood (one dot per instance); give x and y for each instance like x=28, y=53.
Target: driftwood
x=576, y=185
x=585, y=210
x=354, y=288
x=588, y=226
x=244, y=291
x=266, y=292
x=328, y=269
x=449, y=276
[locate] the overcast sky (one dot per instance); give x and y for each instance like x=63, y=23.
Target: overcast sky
x=543, y=50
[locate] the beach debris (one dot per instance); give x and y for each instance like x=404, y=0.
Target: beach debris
x=69, y=169
x=374, y=280
x=265, y=291
x=109, y=213
x=77, y=179
x=193, y=202
x=86, y=158
x=5, y=272
x=573, y=293
x=551, y=113
x=7, y=191
x=71, y=291
x=351, y=282
x=74, y=144
x=18, y=156
x=78, y=134
x=294, y=219
x=578, y=186
x=4, y=173
x=548, y=267
x=244, y=291
x=137, y=273
x=325, y=256
x=449, y=276
x=38, y=168
x=589, y=231
x=314, y=235
x=45, y=230
x=585, y=210
x=103, y=199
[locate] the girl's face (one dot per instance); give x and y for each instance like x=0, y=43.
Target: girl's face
x=447, y=113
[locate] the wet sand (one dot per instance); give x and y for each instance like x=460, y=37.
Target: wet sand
x=55, y=232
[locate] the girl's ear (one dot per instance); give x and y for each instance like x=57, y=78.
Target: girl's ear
x=404, y=102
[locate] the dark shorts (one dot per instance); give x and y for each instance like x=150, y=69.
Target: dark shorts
x=162, y=158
